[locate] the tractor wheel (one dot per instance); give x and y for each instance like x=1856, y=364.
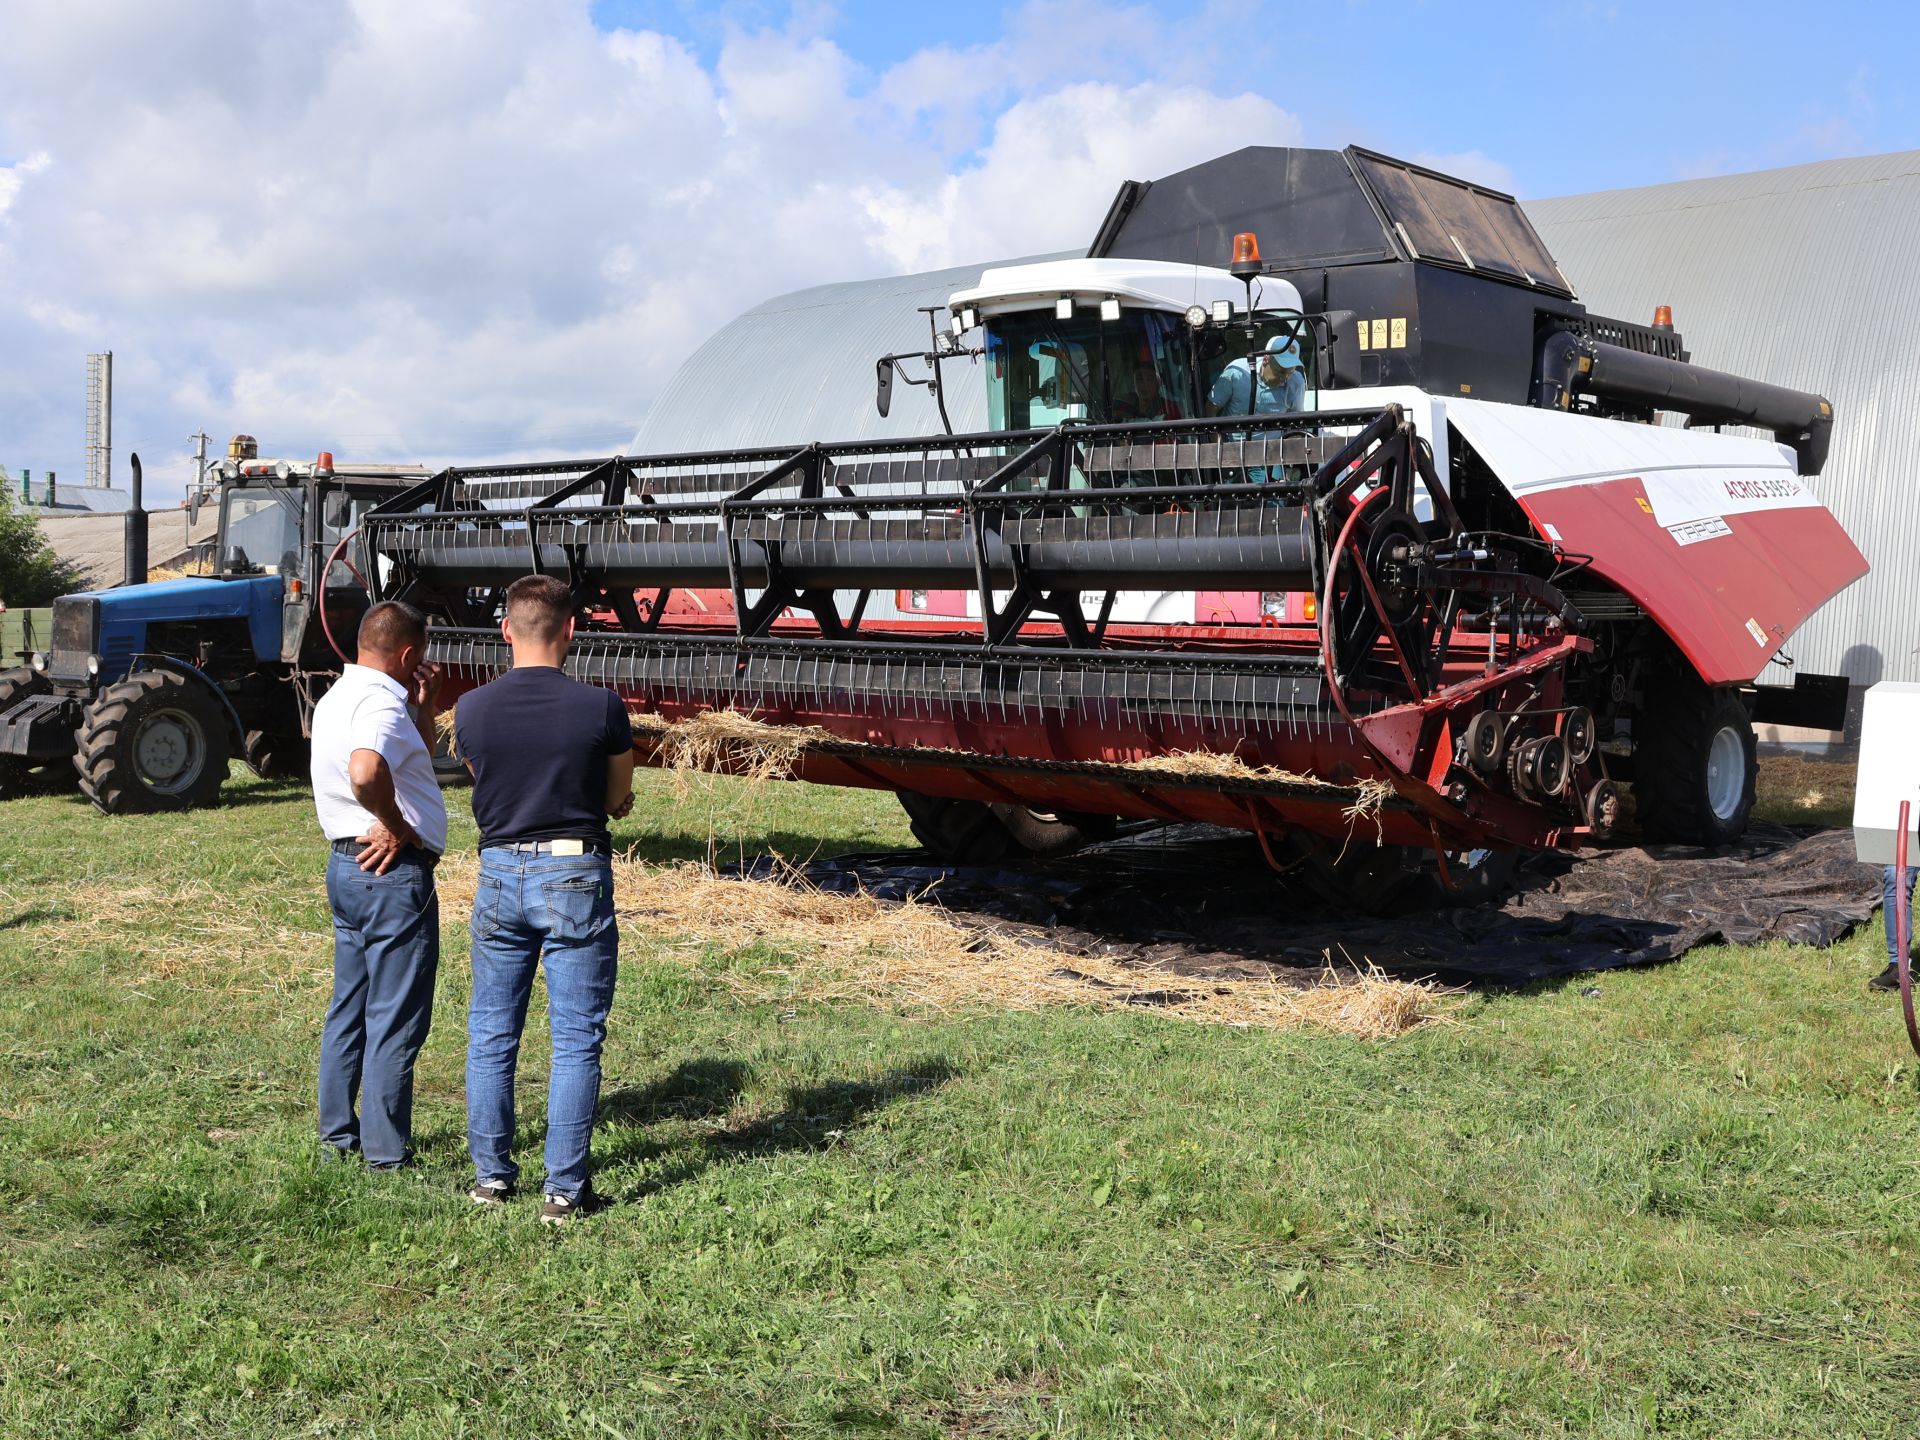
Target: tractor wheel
x=1694, y=764
x=19, y=776
x=155, y=741
x=278, y=757
x=971, y=832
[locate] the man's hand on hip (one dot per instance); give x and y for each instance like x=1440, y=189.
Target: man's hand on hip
x=384, y=846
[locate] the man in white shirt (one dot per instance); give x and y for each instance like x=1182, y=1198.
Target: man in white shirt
x=380, y=807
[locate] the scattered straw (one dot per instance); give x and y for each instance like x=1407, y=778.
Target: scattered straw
x=728, y=742
x=913, y=953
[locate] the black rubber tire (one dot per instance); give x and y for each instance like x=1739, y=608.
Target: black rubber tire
x=972, y=832
x=959, y=832
x=21, y=777
x=110, y=775
x=1061, y=833
x=1680, y=771
x=278, y=757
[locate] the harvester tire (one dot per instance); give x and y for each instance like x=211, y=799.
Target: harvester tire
x=958, y=832
x=972, y=832
x=278, y=757
x=1695, y=764
x=155, y=741
x=1038, y=832
x=19, y=776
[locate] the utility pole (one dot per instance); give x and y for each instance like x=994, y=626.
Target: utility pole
x=199, y=438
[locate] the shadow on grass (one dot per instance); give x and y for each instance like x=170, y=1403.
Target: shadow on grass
x=696, y=844
x=35, y=915
x=814, y=1117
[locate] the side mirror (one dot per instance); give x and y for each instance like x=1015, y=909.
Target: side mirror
x=883, y=385
x=1338, y=351
x=194, y=502
x=337, y=510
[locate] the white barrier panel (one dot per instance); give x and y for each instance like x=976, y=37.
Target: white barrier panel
x=1889, y=772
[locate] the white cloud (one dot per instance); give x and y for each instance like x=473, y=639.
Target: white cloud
x=445, y=230
x=12, y=177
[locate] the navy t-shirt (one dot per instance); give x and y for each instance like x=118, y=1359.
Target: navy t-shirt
x=538, y=743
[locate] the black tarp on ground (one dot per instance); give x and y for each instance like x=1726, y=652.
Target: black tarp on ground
x=1202, y=902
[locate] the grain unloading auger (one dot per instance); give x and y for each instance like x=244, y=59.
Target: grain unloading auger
x=1432, y=694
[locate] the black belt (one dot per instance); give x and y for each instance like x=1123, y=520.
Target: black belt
x=353, y=849
x=545, y=847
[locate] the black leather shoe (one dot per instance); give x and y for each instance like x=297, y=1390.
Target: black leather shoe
x=1887, y=979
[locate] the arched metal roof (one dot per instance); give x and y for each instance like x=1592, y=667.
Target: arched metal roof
x=1800, y=276
x=799, y=368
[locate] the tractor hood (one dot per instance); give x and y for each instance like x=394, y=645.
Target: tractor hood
x=1715, y=536
x=127, y=611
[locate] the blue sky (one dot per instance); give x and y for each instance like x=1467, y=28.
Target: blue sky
x=448, y=230
x=1567, y=95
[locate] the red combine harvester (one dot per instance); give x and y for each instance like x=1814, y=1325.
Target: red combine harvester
x=1384, y=516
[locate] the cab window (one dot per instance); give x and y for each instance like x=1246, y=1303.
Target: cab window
x=261, y=532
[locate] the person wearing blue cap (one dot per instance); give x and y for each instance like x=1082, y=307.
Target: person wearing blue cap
x=1281, y=388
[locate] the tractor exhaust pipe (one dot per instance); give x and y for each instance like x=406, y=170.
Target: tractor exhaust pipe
x=134, y=548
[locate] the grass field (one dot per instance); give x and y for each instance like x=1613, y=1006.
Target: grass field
x=1681, y=1200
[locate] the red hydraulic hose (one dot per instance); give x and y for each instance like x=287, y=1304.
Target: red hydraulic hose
x=326, y=570
x=1902, y=930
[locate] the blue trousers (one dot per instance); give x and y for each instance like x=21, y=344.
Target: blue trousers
x=386, y=952
x=1888, y=898
x=530, y=911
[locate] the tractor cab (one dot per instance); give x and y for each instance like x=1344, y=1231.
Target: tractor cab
x=149, y=688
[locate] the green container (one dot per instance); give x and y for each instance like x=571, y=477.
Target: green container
x=23, y=630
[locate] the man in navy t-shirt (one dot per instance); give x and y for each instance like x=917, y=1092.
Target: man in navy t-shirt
x=552, y=761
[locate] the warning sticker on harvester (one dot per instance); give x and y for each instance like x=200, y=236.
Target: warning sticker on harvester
x=1759, y=635
x=1691, y=532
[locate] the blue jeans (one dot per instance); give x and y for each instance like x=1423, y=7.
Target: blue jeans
x=529, y=910
x=1888, y=898
x=386, y=952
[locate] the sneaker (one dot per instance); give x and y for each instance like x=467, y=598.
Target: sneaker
x=491, y=1192
x=559, y=1209
x=1887, y=979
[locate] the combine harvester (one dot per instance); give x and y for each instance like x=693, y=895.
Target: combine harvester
x=1451, y=596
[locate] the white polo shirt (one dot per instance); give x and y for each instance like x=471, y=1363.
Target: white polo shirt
x=367, y=710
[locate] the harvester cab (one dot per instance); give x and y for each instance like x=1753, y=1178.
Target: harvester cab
x=1369, y=536
x=148, y=689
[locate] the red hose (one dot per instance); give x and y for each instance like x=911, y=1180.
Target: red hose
x=1902, y=930
x=326, y=570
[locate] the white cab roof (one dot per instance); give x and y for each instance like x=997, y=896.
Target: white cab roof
x=1141, y=284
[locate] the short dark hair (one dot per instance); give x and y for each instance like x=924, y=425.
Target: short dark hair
x=539, y=607
x=391, y=626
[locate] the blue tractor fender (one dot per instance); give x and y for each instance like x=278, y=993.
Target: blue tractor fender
x=236, y=731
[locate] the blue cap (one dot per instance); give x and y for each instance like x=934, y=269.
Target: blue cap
x=1285, y=351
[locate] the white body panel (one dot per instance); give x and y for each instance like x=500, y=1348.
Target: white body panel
x=1689, y=475
x=1147, y=284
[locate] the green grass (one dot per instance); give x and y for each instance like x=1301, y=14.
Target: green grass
x=1688, y=1203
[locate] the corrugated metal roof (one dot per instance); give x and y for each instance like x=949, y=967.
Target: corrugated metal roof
x=799, y=368
x=1802, y=277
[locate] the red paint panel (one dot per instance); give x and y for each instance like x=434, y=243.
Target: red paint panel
x=1775, y=569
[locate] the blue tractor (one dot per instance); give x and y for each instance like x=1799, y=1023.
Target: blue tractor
x=147, y=691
